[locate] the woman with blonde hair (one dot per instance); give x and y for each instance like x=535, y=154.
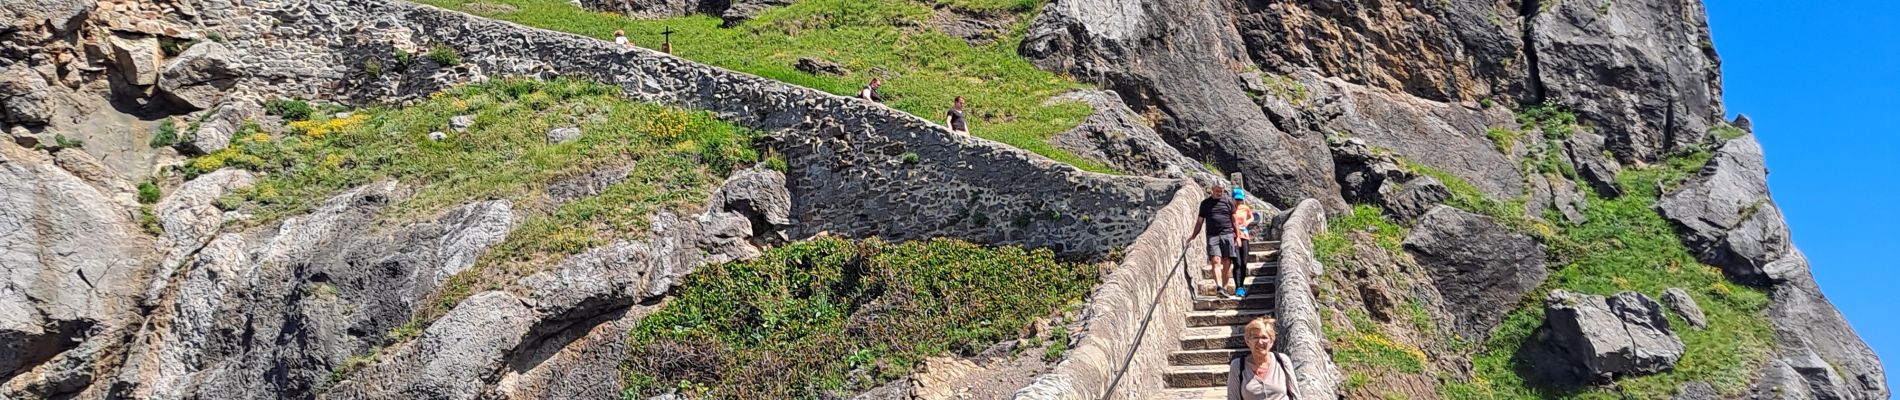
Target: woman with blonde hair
x=1262, y=374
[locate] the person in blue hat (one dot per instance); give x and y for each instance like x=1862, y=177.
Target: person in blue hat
x=1243, y=218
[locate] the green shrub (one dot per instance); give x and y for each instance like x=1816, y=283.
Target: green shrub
x=167, y=134
x=215, y=36
x=445, y=56
x=288, y=109
x=1557, y=122
x=1724, y=131
x=776, y=162
x=910, y=158
x=1504, y=139
x=67, y=143
x=148, y=192
x=148, y=220
x=805, y=318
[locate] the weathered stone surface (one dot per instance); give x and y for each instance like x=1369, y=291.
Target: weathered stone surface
x=1456, y=51
x=1817, y=342
x=460, y=123
x=819, y=67
x=1679, y=301
x=1594, y=163
x=1642, y=72
x=1483, y=267
x=200, y=77
x=1780, y=382
x=1116, y=136
x=1446, y=136
x=1195, y=96
x=1412, y=198
x=330, y=279
x=24, y=97
x=1696, y=391
x=27, y=14
x=563, y=135
x=1588, y=338
x=70, y=258
x=463, y=347
x=1554, y=192
x=1726, y=216
x=219, y=127
x=137, y=58
x=190, y=218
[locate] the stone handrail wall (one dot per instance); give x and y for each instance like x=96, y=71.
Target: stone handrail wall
x=1301, y=334
x=857, y=168
x=1114, y=322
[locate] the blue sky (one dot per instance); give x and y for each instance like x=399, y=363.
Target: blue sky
x=1821, y=80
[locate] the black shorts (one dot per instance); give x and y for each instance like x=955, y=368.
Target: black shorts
x=1222, y=246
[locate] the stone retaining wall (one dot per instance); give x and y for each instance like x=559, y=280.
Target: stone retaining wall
x=857, y=168
x=1301, y=335
x=1116, y=311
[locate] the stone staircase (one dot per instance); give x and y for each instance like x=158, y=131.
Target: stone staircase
x=1215, y=325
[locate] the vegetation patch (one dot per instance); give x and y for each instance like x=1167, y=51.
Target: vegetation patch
x=923, y=69
x=1333, y=246
x=1627, y=246
x=676, y=158
x=830, y=317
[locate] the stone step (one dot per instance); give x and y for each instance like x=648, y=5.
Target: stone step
x=1262, y=301
x=1196, y=376
x=1254, y=284
x=1263, y=245
x=1254, y=269
x=1213, y=338
x=1213, y=393
x=1204, y=357
x=1263, y=256
x=1196, y=319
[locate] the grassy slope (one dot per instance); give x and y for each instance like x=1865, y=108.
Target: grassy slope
x=677, y=158
x=829, y=316
x=1624, y=246
x=925, y=69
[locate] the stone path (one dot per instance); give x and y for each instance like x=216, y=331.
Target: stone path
x=1215, y=326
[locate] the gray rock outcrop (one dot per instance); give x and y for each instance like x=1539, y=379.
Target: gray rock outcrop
x=1727, y=218
x=219, y=127
x=1588, y=338
x=1483, y=267
x=138, y=58
x=201, y=76
x=1679, y=301
x=23, y=97
x=1642, y=72
x=71, y=259
x=563, y=135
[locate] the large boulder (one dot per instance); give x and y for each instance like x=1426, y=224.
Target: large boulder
x=1477, y=264
x=1816, y=341
x=1116, y=136
x=1588, y=338
x=24, y=98
x=200, y=77
x=1726, y=218
x=1641, y=72
x=137, y=58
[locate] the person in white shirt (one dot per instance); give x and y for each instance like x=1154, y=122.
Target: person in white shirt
x=620, y=38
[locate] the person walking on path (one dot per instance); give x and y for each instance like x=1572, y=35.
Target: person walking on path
x=1243, y=218
x=1217, y=215
x=620, y=38
x=869, y=93
x=1262, y=374
x=955, y=119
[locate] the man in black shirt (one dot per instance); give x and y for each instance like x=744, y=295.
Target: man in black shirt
x=1217, y=215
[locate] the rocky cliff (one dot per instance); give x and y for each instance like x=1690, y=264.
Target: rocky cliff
x=1387, y=102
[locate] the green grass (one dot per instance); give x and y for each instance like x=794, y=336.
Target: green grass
x=1362, y=346
x=148, y=192
x=924, y=69
x=1504, y=139
x=677, y=157
x=1557, y=122
x=1724, y=131
x=1333, y=246
x=1629, y=247
x=830, y=316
